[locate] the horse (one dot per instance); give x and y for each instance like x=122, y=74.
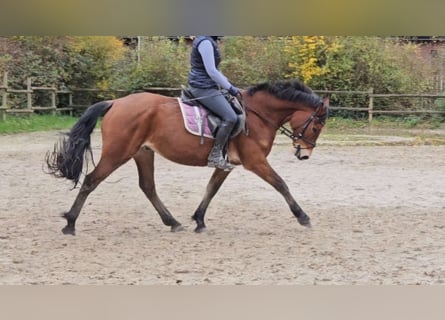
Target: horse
x=141, y=124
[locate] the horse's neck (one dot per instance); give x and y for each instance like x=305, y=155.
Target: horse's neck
x=273, y=111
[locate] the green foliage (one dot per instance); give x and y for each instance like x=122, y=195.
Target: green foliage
x=440, y=102
x=40, y=58
x=163, y=63
x=382, y=123
x=411, y=122
x=250, y=60
x=5, y=57
x=76, y=62
x=353, y=63
x=94, y=60
x=342, y=123
x=362, y=63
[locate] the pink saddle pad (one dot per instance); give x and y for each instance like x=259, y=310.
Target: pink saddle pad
x=195, y=119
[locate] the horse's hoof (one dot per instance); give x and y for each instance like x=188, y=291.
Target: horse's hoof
x=69, y=230
x=305, y=221
x=177, y=228
x=200, y=229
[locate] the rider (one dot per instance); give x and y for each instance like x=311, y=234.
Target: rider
x=205, y=82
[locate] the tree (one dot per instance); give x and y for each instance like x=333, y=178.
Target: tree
x=308, y=56
x=249, y=60
x=352, y=63
x=40, y=58
x=93, y=60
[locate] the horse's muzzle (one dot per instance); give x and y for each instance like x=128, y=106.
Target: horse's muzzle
x=302, y=154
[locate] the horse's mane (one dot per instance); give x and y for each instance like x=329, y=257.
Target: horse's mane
x=292, y=90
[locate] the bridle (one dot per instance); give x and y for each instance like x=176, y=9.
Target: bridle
x=301, y=135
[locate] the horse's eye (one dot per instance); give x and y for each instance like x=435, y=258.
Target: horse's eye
x=314, y=130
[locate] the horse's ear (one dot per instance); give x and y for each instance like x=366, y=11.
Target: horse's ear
x=326, y=102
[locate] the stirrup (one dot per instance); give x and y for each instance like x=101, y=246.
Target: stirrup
x=220, y=164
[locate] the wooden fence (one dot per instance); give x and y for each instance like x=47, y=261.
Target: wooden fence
x=8, y=106
x=373, y=108
x=70, y=95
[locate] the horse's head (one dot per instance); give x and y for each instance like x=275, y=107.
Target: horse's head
x=294, y=102
x=306, y=127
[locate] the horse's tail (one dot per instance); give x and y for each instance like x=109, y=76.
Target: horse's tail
x=66, y=161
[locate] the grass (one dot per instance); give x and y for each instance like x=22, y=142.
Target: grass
x=410, y=130
x=31, y=123
x=383, y=123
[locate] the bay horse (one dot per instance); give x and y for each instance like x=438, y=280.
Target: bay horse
x=141, y=124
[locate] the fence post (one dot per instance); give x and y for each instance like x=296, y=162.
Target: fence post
x=4, y=89
x=29, y=93
x=53, y=99
x=371, y=104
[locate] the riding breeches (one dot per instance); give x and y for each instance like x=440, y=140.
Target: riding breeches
x=215, y=101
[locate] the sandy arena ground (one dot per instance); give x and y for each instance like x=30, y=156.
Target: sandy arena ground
x=378, y=215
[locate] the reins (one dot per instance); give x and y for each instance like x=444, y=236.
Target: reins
x=202, y=97
x=288, y=133
x=283, y=129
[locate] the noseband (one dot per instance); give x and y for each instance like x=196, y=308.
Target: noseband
x=300, y=136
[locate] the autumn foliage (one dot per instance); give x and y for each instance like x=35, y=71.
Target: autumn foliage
x=322, y=62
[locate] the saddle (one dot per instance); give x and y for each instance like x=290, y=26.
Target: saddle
x=199, y=120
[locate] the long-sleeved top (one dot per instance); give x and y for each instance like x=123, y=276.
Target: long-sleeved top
x=205, y=58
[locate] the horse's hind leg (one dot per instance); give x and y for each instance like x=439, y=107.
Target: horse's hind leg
x=145, y=164
x=104, y=169
x=213, y=186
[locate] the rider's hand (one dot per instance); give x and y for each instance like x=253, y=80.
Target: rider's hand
x=234, y=91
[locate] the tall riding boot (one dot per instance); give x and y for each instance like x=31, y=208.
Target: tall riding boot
x=216, y=158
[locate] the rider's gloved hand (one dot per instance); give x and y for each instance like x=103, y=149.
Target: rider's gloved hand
x=234, y=91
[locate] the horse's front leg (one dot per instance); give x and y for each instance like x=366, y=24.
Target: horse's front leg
x=213, y=186
x=267, y=173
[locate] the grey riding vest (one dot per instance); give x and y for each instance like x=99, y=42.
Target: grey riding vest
x=198, y=76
